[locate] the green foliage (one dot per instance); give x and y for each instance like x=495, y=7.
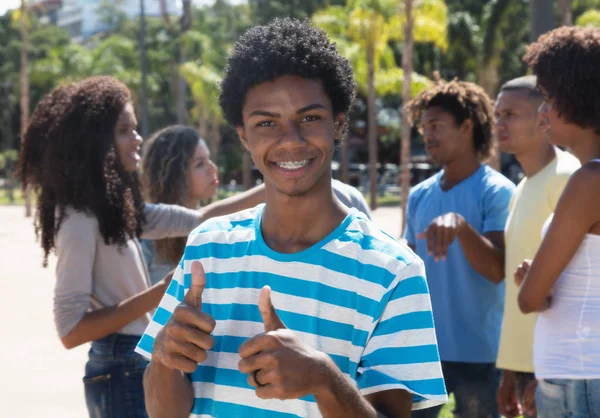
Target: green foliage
x=589, y=18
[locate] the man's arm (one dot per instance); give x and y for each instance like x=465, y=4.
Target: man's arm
x=178, y=348
x=168, y=392
x=485, y=253
x=232, y=204
x=340, y=399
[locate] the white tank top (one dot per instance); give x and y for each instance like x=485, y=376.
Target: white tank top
x=567, y=335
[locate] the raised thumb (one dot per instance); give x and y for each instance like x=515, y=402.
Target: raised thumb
x=194, y=295
x=267, y=311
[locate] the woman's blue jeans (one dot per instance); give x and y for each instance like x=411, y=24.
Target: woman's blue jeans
x=114, y=378
x=562, y=398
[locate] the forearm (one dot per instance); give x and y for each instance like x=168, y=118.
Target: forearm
x=102, y=322
x=245, y=200
x=168, y=393
x=340, y=398
x=485, y=258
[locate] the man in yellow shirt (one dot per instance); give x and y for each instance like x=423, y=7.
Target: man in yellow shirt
x=523, y=132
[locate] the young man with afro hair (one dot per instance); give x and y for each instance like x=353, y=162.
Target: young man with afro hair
x=455, y=221
x=299, y=307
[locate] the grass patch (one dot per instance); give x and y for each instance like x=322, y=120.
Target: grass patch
x=386, y=200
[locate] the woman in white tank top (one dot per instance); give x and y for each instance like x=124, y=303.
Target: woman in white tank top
x=563, y=281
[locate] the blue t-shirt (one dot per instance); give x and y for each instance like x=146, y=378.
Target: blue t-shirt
x=358, y=295
x=467, y=307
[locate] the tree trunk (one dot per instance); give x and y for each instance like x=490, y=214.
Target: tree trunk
x=144, y=70
x=565, y=12
x=488, y=79
x=541, y=18
x=246, y=170
x=186, y=21
x=25, y=87
x=405, y=152
x=372, y=127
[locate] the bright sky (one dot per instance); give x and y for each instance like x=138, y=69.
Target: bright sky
x=13, y=4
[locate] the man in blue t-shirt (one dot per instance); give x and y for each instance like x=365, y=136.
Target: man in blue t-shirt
x=455, y=222
x=300, y=307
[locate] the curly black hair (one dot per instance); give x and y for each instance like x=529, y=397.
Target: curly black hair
x=285, y=47
x=563, y=61
x=463, y=100
x=70, y=159
x=167, y=157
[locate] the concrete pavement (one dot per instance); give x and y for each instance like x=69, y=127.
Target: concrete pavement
x=40, y=377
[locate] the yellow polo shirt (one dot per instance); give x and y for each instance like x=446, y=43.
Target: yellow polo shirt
x=532, y=203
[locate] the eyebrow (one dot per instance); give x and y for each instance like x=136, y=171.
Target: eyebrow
x=277, y=115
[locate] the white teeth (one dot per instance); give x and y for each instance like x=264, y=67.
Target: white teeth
x=292, y=165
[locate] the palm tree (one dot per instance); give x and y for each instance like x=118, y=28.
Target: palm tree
x=405, y=152
x=25, y=86
x=204, y=81
x=362, y=30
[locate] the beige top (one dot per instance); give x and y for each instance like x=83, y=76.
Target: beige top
x=91, y=275
x=534, y=200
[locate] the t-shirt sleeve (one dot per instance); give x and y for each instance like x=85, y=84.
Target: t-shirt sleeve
x=559, y=182
x=359, y=202
x=402, y=352
x=166, y=221
x=172, y=297
x=496, y=201
x=410, y=234
x=75, y=252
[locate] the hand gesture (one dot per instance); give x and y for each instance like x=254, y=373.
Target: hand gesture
x=529, y=398
x=278, y=363
x=521, y=272
x=440, y=233
x=183, y=341
x=507, y=398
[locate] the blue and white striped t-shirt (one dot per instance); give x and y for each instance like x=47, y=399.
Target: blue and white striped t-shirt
x=358, y=295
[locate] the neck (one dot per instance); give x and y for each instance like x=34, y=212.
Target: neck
x=459, y=169
x=294, y=223
x=587, y=146
x=534, y=160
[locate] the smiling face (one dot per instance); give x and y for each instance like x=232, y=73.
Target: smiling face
x=203, y=176
x=127, y=140
x=445, y=140
x=289, y=129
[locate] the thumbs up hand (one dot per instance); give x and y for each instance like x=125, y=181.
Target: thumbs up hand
x=277, y=362
x=267, y=311
x=184, y=340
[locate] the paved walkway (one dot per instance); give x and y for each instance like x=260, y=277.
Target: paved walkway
x=39, y=376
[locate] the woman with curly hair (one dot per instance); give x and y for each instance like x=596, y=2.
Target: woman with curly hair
x=81, y=155
x=563, y=281
x=177, y=169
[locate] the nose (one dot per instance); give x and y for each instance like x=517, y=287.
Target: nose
x=137, y=138
x=212, y=167
x=292, y=136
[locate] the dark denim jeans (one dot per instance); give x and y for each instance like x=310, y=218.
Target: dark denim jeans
x=113, y=378
x=474, y=386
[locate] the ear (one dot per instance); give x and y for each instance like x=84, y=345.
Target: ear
x=339, y=123
x=467, y=127
x=242, y=134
